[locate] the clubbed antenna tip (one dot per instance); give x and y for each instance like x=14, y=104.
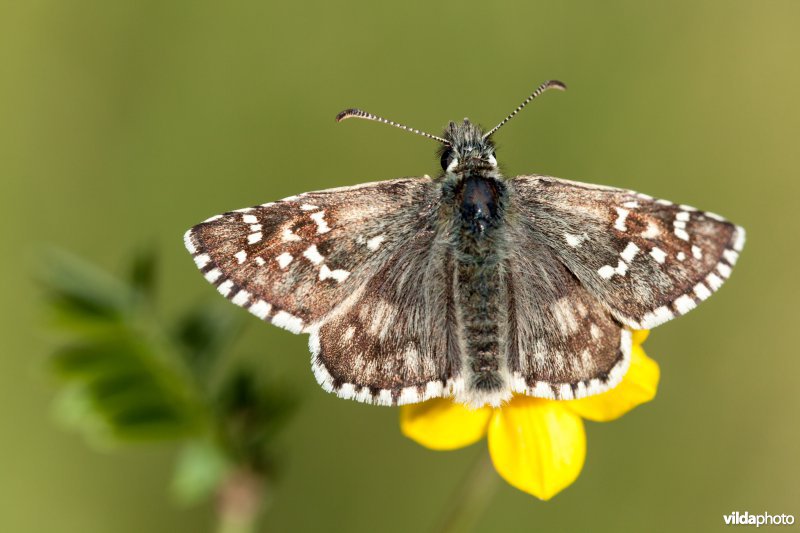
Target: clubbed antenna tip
x=349, y=113
x=551, y=84
x=358, y=113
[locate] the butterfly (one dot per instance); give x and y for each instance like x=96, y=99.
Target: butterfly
x=468, y=285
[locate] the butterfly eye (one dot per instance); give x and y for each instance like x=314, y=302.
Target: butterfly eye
x=447, y=158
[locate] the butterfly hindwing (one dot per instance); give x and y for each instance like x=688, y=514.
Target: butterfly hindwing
x=393, y=340
x=561, y=342
x=293, y=261
x=647, y=260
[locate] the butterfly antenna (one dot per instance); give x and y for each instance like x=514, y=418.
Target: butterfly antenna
x=358, y=113
x=551, y=84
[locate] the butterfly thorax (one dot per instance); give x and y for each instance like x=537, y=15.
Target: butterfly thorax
x=478, y=198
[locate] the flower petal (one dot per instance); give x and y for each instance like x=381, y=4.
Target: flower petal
x=640, y=335
x=637, y=387
x=441, y=424
x=537, y=445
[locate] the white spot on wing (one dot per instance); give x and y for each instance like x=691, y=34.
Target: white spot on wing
x=213, y=275
x=384, y=397
x=562, y=311
x=249, y=219
x=225, y=287
x=657, y=317
x=701, y=291
x=313, y=255
x=607, y=271
x=573, y=240
x=288, y=236
x=629, y=252
x=684, y=304
x=622, y=214
x=308, y=207
x=241, y=297
x=408, y=395
x=338, y=275
x=730, y=256
x=287, y=321
x=714, y=281
x=260, y=261
x=240, y=256
x=260, y=309
x=740, y=236
x=681, y=256
x=375, y=242
x=652, y=231
x=284, y=259
x=565, y=391
x=682, y=216
x=347, y=391
x=658, y=254
x=188, y=241
x=319, y=218
x=202, y=260
x=697, y=253
x=254, y=237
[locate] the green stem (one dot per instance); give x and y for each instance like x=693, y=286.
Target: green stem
x=240, y=501
x=470, y=498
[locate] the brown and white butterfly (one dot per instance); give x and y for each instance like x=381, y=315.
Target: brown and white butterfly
x=468, y=285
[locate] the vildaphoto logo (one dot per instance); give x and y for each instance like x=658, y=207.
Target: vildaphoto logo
x=765, y=519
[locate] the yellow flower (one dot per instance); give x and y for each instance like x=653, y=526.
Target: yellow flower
x=536, y=445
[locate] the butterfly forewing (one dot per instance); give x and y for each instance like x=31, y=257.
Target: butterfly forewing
x=293, y=261
x=647, y=260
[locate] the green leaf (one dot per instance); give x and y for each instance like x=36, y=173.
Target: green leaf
x=200, y=469
x=143, y=273
x=251, y=415
x=124, y=391
x=203, y=333
x=79, y=292
x=151, y=422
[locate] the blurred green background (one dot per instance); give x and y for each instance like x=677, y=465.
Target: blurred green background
x=123, y=123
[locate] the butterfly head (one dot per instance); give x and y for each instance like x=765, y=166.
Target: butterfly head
x=466, y=147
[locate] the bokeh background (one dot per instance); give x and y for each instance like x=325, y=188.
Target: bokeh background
x=125, y=122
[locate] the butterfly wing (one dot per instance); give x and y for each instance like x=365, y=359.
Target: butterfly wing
x=346, y=265
x=647, y=260
x=394, y=341
x=292, y=261
x=561, y=342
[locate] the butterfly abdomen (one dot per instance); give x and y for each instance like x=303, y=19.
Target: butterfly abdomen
x=478, y=242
